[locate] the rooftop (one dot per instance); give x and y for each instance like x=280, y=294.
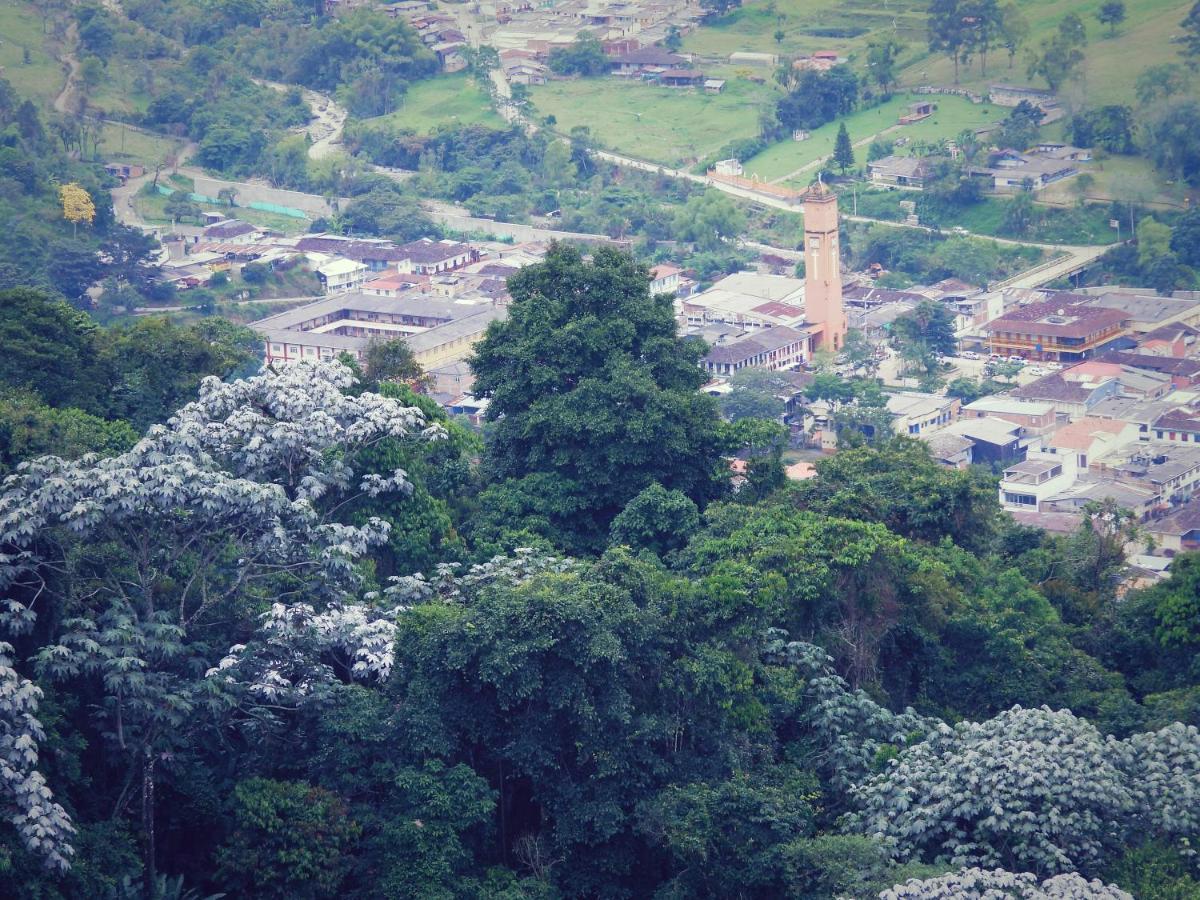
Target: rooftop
x=1011, y=405
x=1058, y=318
x=1081, y=434
x=1184, y=519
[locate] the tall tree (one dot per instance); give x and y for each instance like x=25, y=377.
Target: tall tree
x=1111, y=14
x=947, y=33
x=593, y=393
x=843, y=150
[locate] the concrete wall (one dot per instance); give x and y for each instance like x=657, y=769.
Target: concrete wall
x=312, y=204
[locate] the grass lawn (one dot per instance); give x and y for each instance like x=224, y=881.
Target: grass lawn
x=126, y=145
x=21, y=29
x=666, y=125
x=440, y=101
x=953, y=115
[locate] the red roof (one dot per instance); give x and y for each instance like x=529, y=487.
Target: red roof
x=1056, y=319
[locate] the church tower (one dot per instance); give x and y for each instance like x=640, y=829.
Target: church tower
x=822, y=269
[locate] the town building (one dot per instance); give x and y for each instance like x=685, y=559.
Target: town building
x=339, y=276
x=914, y=414
x=1057, y=330
x=1030, y=483
x=902, y=171
x=774, y=348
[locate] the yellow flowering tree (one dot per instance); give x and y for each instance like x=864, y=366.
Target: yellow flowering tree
x=77, y=205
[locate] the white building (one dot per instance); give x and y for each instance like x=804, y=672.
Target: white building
x=341, y=275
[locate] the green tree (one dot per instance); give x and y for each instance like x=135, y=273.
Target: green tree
x=1191, y=35
x=1153, y=241
x=756, y=394
x=947, y=32
x=657, y=520
x=391, y=361
x=289, y=839
x=584, y=57
x=1160, y=82
x=710, y=220
x=1060, y=56
x=1112, y=14
x=1185, y=238
x=592, y=389
x=1019, y=214
x=882, y=58
x=1014, y=30
x=843, y=150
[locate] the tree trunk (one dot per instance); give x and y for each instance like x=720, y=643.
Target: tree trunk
x=151, y=870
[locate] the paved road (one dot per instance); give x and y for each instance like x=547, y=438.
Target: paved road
x=1072, y=257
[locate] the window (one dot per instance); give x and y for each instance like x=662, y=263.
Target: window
x=1020, y=499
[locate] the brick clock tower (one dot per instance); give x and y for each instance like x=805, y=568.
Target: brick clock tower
x=822, y=269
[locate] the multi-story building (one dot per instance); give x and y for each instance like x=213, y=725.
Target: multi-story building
x=774, y=348
x=1056, y=330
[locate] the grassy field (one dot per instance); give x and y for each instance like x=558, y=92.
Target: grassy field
x=954, y=114
x=21, y=29
x=807, y=25
x=661, y=124
x=1112, y=64
x=123, y=144
x=440, y=101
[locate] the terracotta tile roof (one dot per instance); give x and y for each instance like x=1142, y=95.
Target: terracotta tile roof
x=1057, y=318
x=1080, y=435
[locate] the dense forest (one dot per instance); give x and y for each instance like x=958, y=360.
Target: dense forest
x=298, y=634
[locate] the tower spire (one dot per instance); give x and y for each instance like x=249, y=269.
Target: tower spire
x=822, y=268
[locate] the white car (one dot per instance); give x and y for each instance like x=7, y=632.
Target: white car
x=1019, y=360
x=970, y=354
x=1035, y=370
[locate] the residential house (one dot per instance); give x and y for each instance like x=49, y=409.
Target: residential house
x=914, y=414
x=902, y=171
x=665, y=278
x=647, y=58
x=1056, y=150
x=1090, y=438
x=1177, y=341
x=1140, y=501
x=993, y=440
x=1181, y=425
x=341, y=275
x=1182, y=372
x=1178, y=531
x=1033, y=417
x=1010, y=170
x=453, y=378
x=1071, y=397
x=1029, y=484
x=124, y=171
x=234, y=231
x=714, y=85
x=951, y=450
x=430, y=257
x=376, y=255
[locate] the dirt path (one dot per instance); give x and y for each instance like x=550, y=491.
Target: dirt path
x=64, y=101
x=328, y=122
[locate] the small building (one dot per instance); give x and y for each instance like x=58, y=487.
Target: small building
x=921, y=109
x=728, y=167
x=234, y=231
x=1090, y=438
x=914, y=414
x=682, y=78
x=430, y=257
x=1031, y=416
x=994, y=440
x=1179, y=531
x=901, y=171
x=341, y=275
x=665, y=279
x=636, y=61
x=1028, y=484
x=751, y=58
x=714, y=85
x=951, y=450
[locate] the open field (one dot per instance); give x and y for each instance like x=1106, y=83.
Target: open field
x=954, y=114
x=21, y=29
x=807, y=25
x=122, y=144
x=660, y=124
x=1111, y=66
x=449, y=99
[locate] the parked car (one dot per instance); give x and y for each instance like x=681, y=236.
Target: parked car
x=1019, y=360
x=970, y=354
x=1035, y=370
